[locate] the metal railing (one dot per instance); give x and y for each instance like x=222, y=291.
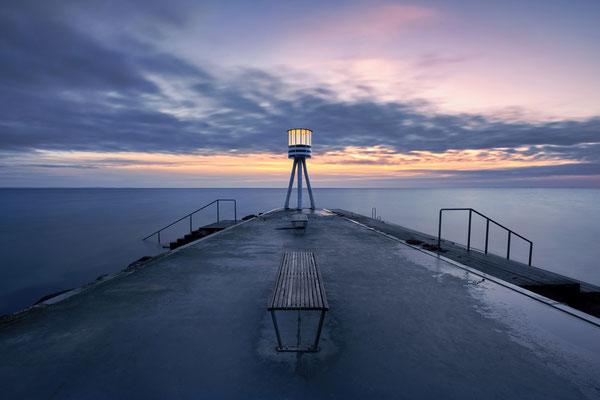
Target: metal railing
x=374, y=214
x=487, y=231
x=218, y=201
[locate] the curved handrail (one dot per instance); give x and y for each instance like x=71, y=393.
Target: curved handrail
x=194, y=212
x=487, y=231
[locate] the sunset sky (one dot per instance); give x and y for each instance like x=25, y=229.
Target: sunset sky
x=398, y=94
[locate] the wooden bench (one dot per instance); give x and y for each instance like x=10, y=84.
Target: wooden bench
x=299, y=221
x=298, y=286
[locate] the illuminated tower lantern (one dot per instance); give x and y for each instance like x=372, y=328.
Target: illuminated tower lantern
x=299, y=148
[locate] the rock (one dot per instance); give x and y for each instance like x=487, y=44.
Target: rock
x=247, y=217
x=140, y=261
x=414, y=241
x=49, y=296
x=101, y=277
x=433, y=247
x=137, y=263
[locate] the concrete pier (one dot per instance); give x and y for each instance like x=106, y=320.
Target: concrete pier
x=577, y=294
x=403, y=323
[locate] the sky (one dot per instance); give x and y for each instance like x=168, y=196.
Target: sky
x=186, y=93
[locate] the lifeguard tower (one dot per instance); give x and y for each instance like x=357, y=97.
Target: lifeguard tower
x=299, y=148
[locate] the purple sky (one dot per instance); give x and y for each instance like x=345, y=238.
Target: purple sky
x=399, y=94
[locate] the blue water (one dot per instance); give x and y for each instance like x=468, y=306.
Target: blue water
x=56, y=239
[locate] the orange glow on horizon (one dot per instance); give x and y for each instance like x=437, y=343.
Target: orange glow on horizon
x=352, y=161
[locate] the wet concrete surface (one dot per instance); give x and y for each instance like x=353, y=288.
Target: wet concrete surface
x=402, y=324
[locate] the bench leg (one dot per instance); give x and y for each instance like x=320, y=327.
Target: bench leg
x=298, y=348
x=296, y=226
x=299, y=330
x=316, y=345
x=276, y=329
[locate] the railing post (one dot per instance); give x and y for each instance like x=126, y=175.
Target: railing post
x=440, y=231
x=191, y=217
x=487, y=234
x=469, y=234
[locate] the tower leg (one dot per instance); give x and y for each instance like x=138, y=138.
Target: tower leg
x=299, y=162
x=312, y=199
x=289, y=192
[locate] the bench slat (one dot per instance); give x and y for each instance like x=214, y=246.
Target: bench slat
x=315, y=292
x=312, y=288
x=282, y=282
x=292, y=291
x=315, y=288
x=313, y=298
x=292, y=280
x=302, y=289
x=323, y=297
x=288, y=281
x=305, y=282
x=307, y=298
x=298, y=285
x=277, y=288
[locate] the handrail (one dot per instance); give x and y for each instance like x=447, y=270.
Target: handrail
x=487, y=232
x=194, y=212
x=374, y=214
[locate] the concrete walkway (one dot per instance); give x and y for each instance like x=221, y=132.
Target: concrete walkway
x=402, y=325
x=580, y=295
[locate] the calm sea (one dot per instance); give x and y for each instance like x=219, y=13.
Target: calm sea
x=56, y=239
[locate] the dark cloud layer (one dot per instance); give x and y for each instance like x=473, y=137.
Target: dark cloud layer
x=64, y=88
x=590, y=169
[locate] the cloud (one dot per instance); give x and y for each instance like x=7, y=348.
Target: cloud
x=591, y=169
x=63, y=88
x=383, y=19
x=436, y=60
